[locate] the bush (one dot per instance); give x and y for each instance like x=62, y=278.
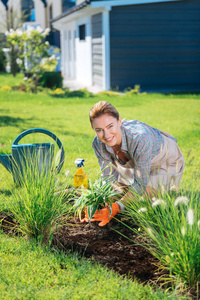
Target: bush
x=51, y=80
x=2, y=61
x=108, y=93
x=66, y=93
x=81, y=93
x=134, y=91
x=5, y=88
x=59, y=93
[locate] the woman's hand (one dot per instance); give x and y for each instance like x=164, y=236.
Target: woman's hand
x=103, y=214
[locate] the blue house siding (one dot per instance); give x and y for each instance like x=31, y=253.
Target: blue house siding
x=156, y=46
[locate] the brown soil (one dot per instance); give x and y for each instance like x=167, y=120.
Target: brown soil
x=108, y=247
x=103, y=245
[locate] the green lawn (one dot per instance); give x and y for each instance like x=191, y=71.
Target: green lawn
x=68, y=119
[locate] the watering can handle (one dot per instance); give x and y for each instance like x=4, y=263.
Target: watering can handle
x=49, y=133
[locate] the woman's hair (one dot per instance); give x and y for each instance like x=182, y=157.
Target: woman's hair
x=102, y=108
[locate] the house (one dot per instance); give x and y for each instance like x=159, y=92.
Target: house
x=36, y=12
x=116, y=44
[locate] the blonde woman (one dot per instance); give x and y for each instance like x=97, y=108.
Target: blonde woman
x=134, y=154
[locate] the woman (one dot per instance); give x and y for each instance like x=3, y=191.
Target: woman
x=133, y=154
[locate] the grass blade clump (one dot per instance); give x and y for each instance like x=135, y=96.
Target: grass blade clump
x=170, y=229
x=35, y=206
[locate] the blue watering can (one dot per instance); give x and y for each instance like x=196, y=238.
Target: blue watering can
x=25, y=156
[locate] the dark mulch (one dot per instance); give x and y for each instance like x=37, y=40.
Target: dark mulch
x=101, y=244
x=108, y=247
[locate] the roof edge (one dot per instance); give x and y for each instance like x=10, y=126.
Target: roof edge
x=71, y=10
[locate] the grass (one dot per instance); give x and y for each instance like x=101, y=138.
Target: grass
x=35, y=206
x=30, y=272
x=170, y=230
x=68, y=119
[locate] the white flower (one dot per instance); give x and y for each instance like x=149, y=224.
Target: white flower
x=6, y=33
x=18, y=61
x=44, y=60
x=47, y=43
x=47, y=30
x=52, y=57
x=158, y=202
x=181, y=199
x=175, y=188
x=25, y=78
x=30, y=28
x=19, y=32
x=39, y=29
x=183, y=231
x=190, y=216
x=142, y=209
x=154, y=199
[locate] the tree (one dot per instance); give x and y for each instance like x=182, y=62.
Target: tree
x=14, y=19
x=32, y=50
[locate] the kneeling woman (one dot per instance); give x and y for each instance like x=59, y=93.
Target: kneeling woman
x=134, y=153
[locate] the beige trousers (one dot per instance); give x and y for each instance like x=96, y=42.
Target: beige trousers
x=166, y=167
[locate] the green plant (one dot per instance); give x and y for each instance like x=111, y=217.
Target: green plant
x=37, y=207
x=136, y=90
x=5, y=88
x=170, y=230
x=98, y=195
x=52, y=80
x=31, y=52
x=81, y=93
x=2, y=61
x=107, y=93
x=58, y=93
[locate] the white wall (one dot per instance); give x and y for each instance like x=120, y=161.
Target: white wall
x=84, y=53
x=56, y=9
x=2, y=17
x=40, y=17
x=15, y=4
x=83, y=48
x=68, y=50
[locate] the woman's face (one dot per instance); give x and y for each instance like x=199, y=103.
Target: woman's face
x=108, y=130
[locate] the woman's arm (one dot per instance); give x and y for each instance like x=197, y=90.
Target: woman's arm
x=105, y=161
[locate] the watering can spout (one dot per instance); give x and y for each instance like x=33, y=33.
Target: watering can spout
x=6, y=160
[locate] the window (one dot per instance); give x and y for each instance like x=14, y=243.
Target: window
x=82, y=32
x=28, y=10
x=66, y=4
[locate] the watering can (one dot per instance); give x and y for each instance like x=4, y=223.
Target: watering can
x=30, y=156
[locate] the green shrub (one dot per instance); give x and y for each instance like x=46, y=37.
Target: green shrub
x=81, y=93
x=134, y=91
x=51, y=80
x=2, y=61
x=37, y=207
x=108, y=93
x=5, y=88
x=59, y=93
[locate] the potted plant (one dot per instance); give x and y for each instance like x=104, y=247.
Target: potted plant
x=99, y=195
